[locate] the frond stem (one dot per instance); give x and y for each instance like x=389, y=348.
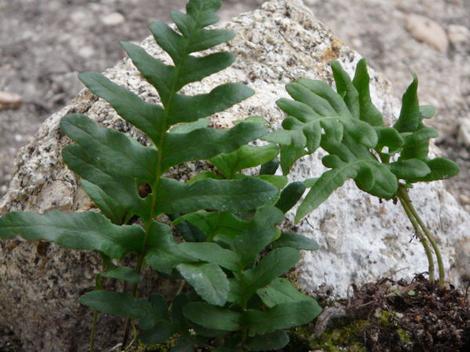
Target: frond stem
x=440, y=264
x=156, y=184
x=422, y=238
x=96, y=314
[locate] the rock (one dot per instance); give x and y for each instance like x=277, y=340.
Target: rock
x=464, y=199
x=10, y=100
x=113, y=19
x=458, y=34
x=464, y=132
x=361, y=238
x=86, y=52
x=462, y=259
x=427, y=31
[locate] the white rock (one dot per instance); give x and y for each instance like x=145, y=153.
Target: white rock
x=86, y=52
x=428, y=31
x=361, y=239
x=464, y=132
x=82, y=17
x=113, y=19
x=18, y=137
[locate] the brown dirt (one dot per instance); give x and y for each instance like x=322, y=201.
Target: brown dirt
x=400, y=316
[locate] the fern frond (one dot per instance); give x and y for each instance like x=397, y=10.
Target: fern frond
x=348, y=126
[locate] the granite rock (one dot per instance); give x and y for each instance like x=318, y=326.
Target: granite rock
x=360, y=238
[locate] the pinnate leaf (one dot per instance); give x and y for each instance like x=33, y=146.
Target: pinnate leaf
x=191, y=108
x=112, y=161
x=346, y=88
x=410, y=169
x=410, y=115
x=83, y=231
x=212, y=317
x=290, y=196
x=164, y=253
x=111, y=208
x=113, y=151
x=268, y=342
x=281, y=291
x=277, y=262
x=212, y=253
x=296, y=241
x=124, y=305
x=324, y=187
x=249, y=238
x=209, y=281
x=124, y=274
x=282, y=316
x=388, y=137
x=151, y=313
x=124, y=190
x=368, y=112
x=222, y=195
x=245, y=157
x=214, y=223
x=158, y=74
x=146, y=117
x=416, y=144
x=205, y=143
x=441, y=168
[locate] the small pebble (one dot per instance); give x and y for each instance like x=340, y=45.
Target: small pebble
x=113, y=19
x=427, y=31
x=464, y=199
x=10, y=100
x=86, y=52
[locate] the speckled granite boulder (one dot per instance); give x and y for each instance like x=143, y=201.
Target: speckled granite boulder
x=360, y=238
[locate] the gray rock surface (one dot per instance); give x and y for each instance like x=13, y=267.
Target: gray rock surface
x=361, y=239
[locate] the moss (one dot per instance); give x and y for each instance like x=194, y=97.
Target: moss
x=345, y=336
x=385, y=317
x=405, y=336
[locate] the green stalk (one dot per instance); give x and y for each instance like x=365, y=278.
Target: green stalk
x=429, y=236
x=147, y=225
x=422, y=238
x=96, y=314
x=158, y=176
x=93, y=331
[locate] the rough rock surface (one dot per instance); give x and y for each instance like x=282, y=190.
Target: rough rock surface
x=361, y=239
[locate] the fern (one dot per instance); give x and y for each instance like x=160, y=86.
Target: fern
x=228, y=219
x=383, y=161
